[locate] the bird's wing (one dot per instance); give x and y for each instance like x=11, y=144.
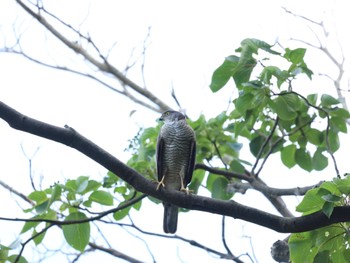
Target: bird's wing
x=160, y=155
x=191, y=161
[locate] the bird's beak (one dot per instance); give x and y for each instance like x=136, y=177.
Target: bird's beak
x=160, y=119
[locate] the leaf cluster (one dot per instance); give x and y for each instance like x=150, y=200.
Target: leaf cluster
x=327, y=244
x=267, y=111
x=274, y=117
x=68, y=205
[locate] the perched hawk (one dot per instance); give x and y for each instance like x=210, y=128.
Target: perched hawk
x=176, y=154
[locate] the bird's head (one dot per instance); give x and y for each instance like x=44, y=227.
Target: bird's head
x=170, y=116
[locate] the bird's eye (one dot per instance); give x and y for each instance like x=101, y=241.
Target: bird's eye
x=167, y=113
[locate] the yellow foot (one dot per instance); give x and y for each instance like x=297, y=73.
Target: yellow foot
x=187, y=191
x=161, y=183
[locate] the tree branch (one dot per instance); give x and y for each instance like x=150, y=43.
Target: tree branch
x=12, y=190
x=323, y=48
x=70, y=137
x=227, y=174
x=114, y=253
x=189, y=241
x=297, y=191
x=101, y=62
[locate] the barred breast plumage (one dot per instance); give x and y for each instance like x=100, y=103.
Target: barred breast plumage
x=176, y=150
x=177, y=139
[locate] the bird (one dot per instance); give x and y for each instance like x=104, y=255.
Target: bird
x=175, y=154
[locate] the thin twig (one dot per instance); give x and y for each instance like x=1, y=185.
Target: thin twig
x=261, y=150
x=327, y=128
x=101, y=62
x=30, y=239
x=114, y=253
x=223, y=238
x=12, y=190
x=30, y=164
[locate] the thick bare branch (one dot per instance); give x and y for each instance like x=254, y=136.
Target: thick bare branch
x=70, y=137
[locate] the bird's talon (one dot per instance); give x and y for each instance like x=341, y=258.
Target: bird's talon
x=160, y=184
x=187, y=191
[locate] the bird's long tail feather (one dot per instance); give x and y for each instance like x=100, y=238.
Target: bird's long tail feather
x=170, y=218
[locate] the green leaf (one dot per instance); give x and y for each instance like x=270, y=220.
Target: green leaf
x=312, y=98
x=288, y=155
x=331, y=198
x=82, y=182
x=311, y=202
x=332, y=244
x=223, y=73
x=343, y=185
x=217, y=185
x=295, y=56
x=237, y=167
x=92, y=186
x=4, y=251
x=314, y=136
x=339, y=123
x=56, y=192
x=303, y=159
x=256, y=44
x=300, y=247
x=13, y=258
x=120, y=214
x=334, y=142
x=101, y=197
x=38, y=239
x=328, y=208
x=197, y=179
x=244, y=102
x=110, y=180
x=244, y=69
x=256, y=144
x=77, y=235
x=319, y=161
x=29, y=225
x=328, y=100
x=340, y=112
x=148, y=133
x=121, y=189
x=32, y=225
x=219, y=189
x=269, y=71
x=286, y=106
x=38, y=196
x=327, y=244
x=329, y=187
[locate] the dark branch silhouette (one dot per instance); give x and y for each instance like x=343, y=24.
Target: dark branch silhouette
x=72, y=138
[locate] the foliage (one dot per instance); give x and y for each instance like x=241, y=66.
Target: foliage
x=67, y=201
x=267, y=111
x=273, y=116
x=327, y=244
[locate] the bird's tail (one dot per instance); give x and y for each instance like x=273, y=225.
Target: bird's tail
x=170, y=218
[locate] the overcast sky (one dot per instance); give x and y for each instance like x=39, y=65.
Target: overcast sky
x=188, y=40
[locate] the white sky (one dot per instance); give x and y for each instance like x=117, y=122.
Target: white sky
x=188, y=40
